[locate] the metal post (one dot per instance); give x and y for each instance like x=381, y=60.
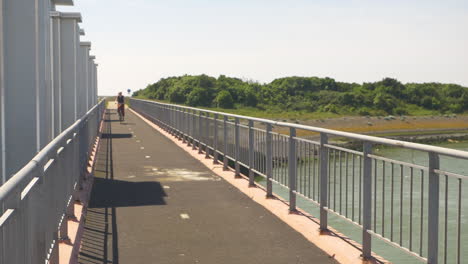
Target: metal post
x=251, y=154
x=225, y=136
x=183, y=125
x=323, y=182
x=215, y=140
x=269, y=161
x=200, y=132
x=292, y=172
x=367, y=202
x=189, y=129
x=237, y=146
x=207, y=134
x=194, y=128
x=433, y=210
x=175, y=112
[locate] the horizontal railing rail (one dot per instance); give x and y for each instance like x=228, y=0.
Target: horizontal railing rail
x=408, y=204
x=38, y=199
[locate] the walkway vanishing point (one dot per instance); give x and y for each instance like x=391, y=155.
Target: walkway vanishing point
x=152, y=202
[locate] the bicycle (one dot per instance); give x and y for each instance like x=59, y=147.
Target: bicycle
x=120, y=111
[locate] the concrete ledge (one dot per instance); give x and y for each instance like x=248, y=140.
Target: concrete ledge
x=333, y=243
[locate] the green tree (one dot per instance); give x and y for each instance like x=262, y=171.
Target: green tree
x=224, y=100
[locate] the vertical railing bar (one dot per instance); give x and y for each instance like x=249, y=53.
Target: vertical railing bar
x=207, y=135
x=314, y=175
x=401, y=205
x=329, y=176
x=182, y=124
x=255, y=164
x=194, y=128
x=269, y=160
x=422, y=216
x=200, y=132
x=383, y=198
x=225, y=138
x=215, y=139
x=445, y=218
x=334, y=179
x=411, y=210
x=309, y=169
x=292, y=172
x=251, y=154
x=360, y=189
x=341, y=181
x=367, y=202
x=302, y=176
x=353, y=184
x=236, y=147
x=323, y=182
x=433, y=210
x=347, y=183
x=375, y=194
x=392, y=189
x=285, y=161
x=459, y=221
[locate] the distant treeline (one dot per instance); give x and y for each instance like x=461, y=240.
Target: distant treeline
x=311, y=94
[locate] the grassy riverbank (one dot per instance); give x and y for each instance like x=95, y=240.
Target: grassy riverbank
x=386, y=126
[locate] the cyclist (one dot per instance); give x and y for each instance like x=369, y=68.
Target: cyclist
x=120, y=106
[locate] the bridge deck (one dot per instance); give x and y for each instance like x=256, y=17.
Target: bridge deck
x=153, y=203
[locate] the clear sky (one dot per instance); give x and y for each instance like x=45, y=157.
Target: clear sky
x=137, y=42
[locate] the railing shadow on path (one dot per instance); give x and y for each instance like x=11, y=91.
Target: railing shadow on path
x=100, y=237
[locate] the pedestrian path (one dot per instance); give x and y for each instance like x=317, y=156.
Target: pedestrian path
x=153, y=203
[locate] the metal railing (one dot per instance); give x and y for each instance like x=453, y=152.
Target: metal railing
x=414, y=206
x=37, y=201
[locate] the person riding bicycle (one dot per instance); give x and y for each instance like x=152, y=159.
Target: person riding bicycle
x=121, y=105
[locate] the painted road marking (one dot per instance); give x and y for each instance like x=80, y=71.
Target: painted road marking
x=184, y=216
x=147, y=157
x=166, y=187
x=138, y=141
x=142, y=147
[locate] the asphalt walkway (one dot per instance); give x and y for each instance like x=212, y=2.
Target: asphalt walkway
x=153, y=203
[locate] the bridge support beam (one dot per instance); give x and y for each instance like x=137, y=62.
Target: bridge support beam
x=83, y=76
x=25, y=84
x=91, y=76
x=65, y=43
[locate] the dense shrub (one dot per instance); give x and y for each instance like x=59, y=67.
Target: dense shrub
x=388, y=96
x=224, y=100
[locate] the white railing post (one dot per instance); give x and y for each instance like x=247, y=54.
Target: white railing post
x=292, y=169
x=226, y=143
x=367, y=202
x=237, y=147
x=433, y=211
x=215, y=139
x=323, y=182
x=269, y=160
x=251, y=154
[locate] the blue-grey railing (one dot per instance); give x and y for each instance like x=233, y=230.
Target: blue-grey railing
x=414, y=206
x=37, y=201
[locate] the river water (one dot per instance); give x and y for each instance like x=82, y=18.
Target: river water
x=400, y=199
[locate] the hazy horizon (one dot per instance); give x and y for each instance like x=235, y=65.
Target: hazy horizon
x=139, y=42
